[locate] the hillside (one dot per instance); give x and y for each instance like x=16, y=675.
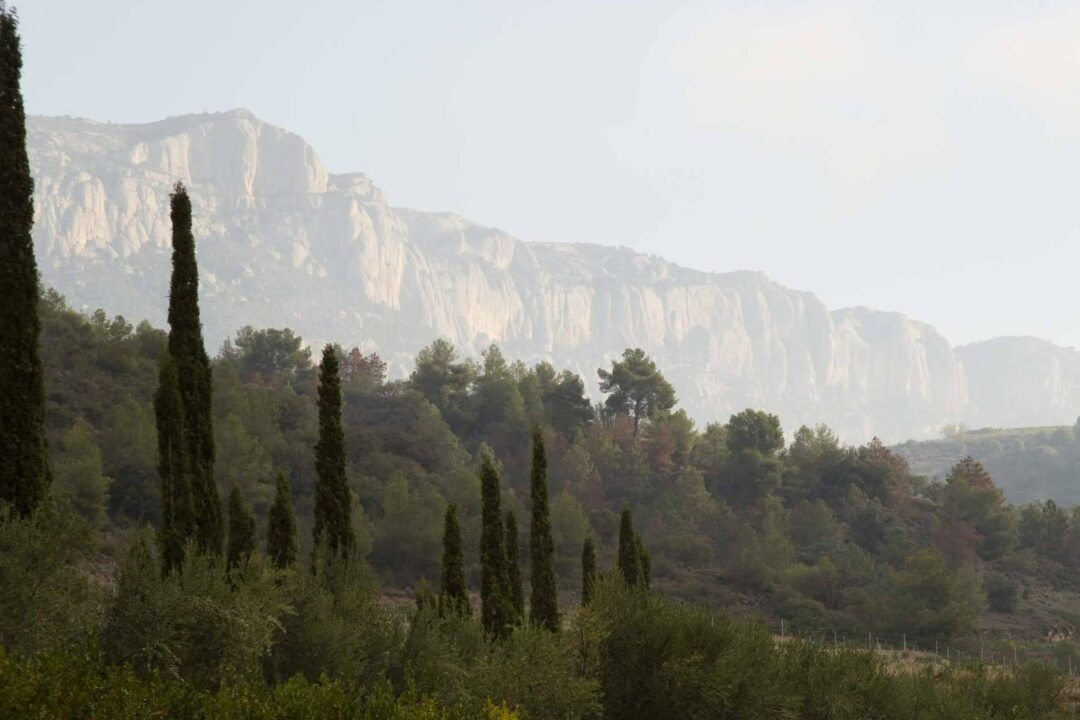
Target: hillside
x=283, y=242
x=1029, y=464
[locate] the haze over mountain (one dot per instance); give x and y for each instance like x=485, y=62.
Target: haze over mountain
x=282, y=242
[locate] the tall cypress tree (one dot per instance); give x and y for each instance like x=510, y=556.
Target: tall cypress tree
x=281, y=528
x=177, y=504
x=193, y=376
x=629, y=558
x=333, y=523
x=241, y=529
x=24, y=456
x=452, y=589
x=644, y=563
x=588, y=570
x=544, y=600
x=513, y=566
x=496, y=610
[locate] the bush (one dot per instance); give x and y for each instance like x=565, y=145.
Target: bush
x=46, y=600
x=1002, y=592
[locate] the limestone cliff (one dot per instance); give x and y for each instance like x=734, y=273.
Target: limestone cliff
x=284, y=243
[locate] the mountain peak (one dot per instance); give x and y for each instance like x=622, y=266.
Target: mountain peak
x=284, y=243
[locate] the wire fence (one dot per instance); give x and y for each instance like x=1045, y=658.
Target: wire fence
x=920, y=649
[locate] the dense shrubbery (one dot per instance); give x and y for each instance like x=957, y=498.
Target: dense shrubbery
x=631, y=655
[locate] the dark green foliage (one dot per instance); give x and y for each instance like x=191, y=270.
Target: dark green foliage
x=635, y=387
x=971, y=496
x=46, y=598
x=177, y=499
x=1002, y=592
x=644, y=562
x=241, y=529
x=565, y=403
x=629, y=550
x=333, y=524
x=453, y=592
x=755, y=430
x=588, y=570
x=496, y=606
x=268, y=355
x=199, y=624
x=513, y=566
x=193, y=377
x=659, y=659
x=544, y=600
x=24, y=460
x=281, y=529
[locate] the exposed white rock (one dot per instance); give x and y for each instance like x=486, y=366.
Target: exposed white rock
x=326, y=255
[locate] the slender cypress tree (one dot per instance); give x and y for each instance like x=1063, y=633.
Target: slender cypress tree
x=513, y=566
x=452, y=589
x=24, y=455
x=193, y=376
x=544, y=599
x=333, y=523
x=644, y=563
x=588, y=570
x=241, y=529
x=496, y=609
x=177, y=504
x=281, y=529
x=629, y=559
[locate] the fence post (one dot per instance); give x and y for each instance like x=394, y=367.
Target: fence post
x=781, y=628
x=905, y=642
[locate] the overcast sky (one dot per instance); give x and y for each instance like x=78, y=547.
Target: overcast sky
x=895, y=155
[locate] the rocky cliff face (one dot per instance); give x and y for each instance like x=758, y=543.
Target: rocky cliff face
x=284, y=243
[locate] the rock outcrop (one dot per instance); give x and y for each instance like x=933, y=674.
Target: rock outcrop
x=282, y=242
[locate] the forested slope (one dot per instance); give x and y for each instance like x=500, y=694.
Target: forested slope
x=820, y=534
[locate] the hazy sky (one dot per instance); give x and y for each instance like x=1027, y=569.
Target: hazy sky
x=895, y=155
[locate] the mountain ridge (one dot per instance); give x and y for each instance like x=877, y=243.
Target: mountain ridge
x=283, y=241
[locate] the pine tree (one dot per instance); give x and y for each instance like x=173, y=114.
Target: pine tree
x=644, y=563
x=193, y=376
x=333, y=523
x=24, y=455
x=496, y=610
x=588, y=570
x=281, y=528
x=513, y=566
x=544, y=600
x=241, y=529
x=629, y=560
x=452, y=589
x=177, y=504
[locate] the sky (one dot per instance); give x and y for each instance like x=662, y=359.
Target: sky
x=922, y=157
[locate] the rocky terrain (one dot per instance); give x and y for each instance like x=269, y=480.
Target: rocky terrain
x=282, y=242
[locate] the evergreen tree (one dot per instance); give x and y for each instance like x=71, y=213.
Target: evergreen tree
x=544, y=600
x=496, y=609
x=24, y=453
x=629, y=558
x=241, y=529
x=636, y=388
x=193, y=376
x=588, y=570
x=177, y=504
x=333, y=524
x=452, y=589
x=281, y=529
x=644, y=563
x=513, y=566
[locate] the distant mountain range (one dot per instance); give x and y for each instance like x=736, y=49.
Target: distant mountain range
x=282, y=242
